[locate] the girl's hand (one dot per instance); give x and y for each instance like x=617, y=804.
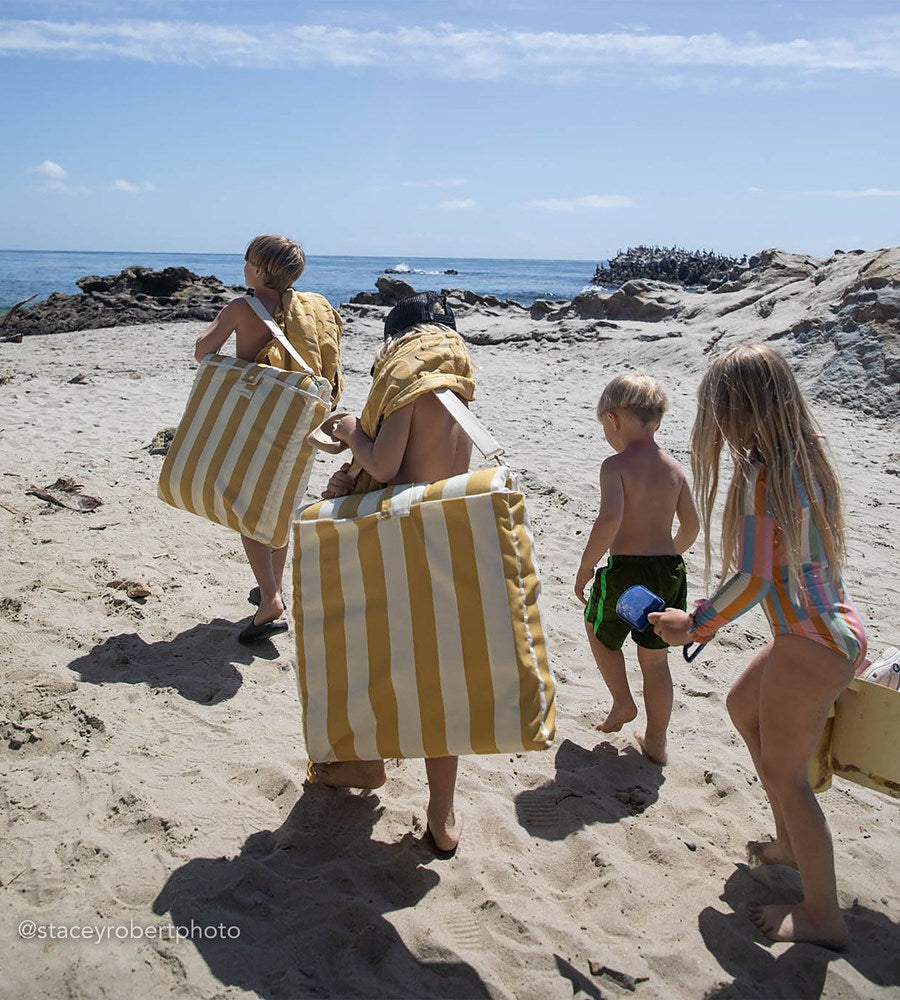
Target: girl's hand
x=340, y=484
x=672, y=626
x=344, y=428
x=582, y=578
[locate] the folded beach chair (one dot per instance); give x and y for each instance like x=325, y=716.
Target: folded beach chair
x=240, y=456
x=861, y=741
x=417, y=620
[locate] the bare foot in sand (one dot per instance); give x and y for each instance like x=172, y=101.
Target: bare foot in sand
x=445, y=828
x=619, y=714
x=654, y=749
x=769, y=852
x=350, y=774
x=784, y=922
x=269, y=612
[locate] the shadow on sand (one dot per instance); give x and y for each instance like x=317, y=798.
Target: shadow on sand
x=309, y=900
x=199, y=663
x=798, y=971
x=602, y=785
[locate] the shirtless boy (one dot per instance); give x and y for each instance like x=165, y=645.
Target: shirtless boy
x=642, y=491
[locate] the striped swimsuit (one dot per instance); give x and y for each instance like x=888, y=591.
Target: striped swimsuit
x=822, y=611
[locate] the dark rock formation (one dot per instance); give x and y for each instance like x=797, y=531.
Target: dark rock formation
x=687, y=268
x=393, y=289
x=390, y=291
x=136, y=295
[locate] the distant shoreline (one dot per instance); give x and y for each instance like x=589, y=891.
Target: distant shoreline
x=26, y=272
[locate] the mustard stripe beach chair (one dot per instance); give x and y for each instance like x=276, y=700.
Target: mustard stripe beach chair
x=417, y=622
x=240, y=456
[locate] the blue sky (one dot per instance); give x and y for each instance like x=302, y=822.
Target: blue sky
x=512, y=129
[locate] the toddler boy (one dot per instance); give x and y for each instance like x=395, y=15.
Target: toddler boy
x=642, y=490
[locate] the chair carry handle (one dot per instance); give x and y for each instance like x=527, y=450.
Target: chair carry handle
x=690, y=656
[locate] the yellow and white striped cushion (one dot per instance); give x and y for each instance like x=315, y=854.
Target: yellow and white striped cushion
x=240, y=455
x=417, y=623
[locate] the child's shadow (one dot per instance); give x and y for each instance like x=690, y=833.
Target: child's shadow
x=602, y=785
x=307, y=902
x=800, y=970
x=198, y=663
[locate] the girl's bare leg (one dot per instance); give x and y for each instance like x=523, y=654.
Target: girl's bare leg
x=657, y=701
x=268, y=567
x=611, y=663
x=799, y=683
x=743, y=707
x=443, y=822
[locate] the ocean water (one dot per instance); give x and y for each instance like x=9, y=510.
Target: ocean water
x=29, y=272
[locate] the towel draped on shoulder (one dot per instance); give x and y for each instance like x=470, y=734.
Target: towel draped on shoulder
x=313, y=328
x=433, y=357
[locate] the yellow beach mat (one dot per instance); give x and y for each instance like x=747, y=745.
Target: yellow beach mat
x=861, y=741
x=417, y=623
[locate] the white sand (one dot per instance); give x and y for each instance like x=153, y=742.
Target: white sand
x=159, y=776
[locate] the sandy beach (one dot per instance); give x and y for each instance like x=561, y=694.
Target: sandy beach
x=153, y=767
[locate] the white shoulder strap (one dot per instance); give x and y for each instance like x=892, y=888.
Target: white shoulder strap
x=480, y=436
x=260, y=311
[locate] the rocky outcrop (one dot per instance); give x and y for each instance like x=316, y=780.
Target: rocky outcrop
x=838, y=320
x=639, y=301
x=461, y=300
x=686, y=268
x=390, y=291
x=135, y=295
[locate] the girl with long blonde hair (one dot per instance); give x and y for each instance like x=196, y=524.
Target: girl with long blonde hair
x=782, y=544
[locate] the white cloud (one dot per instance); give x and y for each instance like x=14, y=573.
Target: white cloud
x=443, y=182
x=445, y=50
x=458, y=204
x=586, y=201
x=866, y=193
x=50, y=169
x=55, y=178
x=132, y=188
x=754, y=190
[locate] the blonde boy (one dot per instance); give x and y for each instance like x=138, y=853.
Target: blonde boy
x=642, y=490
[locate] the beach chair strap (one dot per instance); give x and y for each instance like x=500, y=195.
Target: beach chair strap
x=260, y=311
x=480, y=436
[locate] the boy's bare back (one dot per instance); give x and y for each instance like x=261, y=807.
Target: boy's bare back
x=437, y=447
x=649, y=488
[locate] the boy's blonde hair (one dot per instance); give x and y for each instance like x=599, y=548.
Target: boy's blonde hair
x=638, y=393
x=750, y=400
x=281, y=260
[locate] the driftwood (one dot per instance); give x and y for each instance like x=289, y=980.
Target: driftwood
x=14, y=338
x=65, y=492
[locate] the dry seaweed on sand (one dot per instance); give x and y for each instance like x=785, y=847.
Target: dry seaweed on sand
x=65, y=492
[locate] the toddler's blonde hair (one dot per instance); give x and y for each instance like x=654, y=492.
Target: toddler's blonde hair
x=280, y=259
x=636, y=392
x=750, y=400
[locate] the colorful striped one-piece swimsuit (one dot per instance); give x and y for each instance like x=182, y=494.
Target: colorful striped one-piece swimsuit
x=821, y=611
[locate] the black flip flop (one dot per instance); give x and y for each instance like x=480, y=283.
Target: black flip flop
x=254, y=596
x=256, y=633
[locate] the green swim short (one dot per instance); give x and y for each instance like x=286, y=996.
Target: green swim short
x=664, y=575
